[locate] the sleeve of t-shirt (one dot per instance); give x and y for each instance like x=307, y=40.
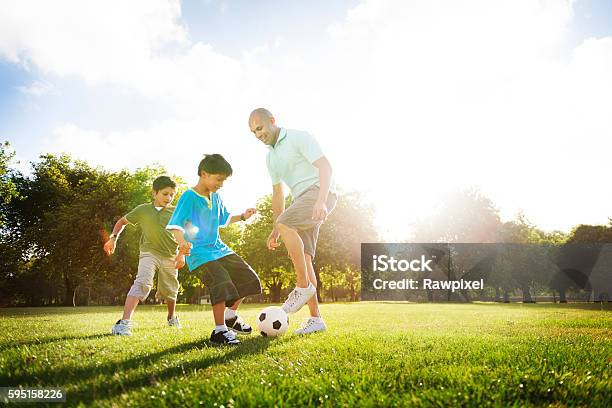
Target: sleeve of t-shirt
x=224, y=214
x=274, y=177
x=309, y=147
x=134, y=216
x=182, y=213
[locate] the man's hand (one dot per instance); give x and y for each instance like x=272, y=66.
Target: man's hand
x=249, y=213
x=179, y=261
x=185, y=248
x=319, y=211
x=272, y=242
x=109, y=246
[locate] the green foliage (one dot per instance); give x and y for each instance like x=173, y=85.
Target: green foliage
x=273, y=267
x=591, y=234
x=374, y=354
x=7, y=187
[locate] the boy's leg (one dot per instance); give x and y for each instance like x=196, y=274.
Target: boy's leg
x=168, y=284
x=218, y=310
x=295, y=248
x=130, y=305
x=237, y=303
x=218, y=281
x=142, y=284
x=171, y=308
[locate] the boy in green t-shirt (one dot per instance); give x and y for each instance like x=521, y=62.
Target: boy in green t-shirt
x=158, y=252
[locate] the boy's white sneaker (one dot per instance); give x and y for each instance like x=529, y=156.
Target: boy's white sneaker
x=312, y=325
x=122, y=328
x=174, y=322
x=298, y=298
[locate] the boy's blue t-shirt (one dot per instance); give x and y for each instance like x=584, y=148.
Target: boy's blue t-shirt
x=200, y=219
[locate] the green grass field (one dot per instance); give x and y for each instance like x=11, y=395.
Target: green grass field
x=375, y=354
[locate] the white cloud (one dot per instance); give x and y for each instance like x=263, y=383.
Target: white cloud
x=37, y=88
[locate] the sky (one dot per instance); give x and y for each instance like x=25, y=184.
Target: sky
x=408, y=99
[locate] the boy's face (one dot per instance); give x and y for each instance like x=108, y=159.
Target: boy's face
x=213, y=182
x=164, y=196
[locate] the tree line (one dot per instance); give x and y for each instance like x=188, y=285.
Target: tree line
x=55, y=220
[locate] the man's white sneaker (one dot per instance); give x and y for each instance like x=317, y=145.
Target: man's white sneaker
x=298, y=298
x=122, y=328
x=174, y=322
x=312, y=325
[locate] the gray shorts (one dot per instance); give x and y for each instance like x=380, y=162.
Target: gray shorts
x=167, y=282
x=299, y=217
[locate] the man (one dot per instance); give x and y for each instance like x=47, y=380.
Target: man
x=296, y=159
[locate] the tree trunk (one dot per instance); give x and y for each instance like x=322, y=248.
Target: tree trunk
x=527, y=295
x=562, y=298
x=70, y=293
x=506, y=296
x=275, y=292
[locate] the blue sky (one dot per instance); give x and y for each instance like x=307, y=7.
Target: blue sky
x=498, y=84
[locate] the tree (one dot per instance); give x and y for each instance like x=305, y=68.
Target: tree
x=349, y=225
x=462, y=216
x=274, y=268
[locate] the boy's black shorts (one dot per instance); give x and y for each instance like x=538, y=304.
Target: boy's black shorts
x=229, y=279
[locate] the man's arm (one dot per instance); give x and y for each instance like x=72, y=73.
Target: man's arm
x=110, y=245
x=319, y=211
x=278, y=206
x=278, y=201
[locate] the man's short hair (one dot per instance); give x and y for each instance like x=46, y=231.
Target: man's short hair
x=215, y=164
x=162, y=182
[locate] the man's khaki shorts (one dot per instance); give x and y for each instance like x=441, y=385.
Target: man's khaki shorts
x=167, y=282
x=299, y=217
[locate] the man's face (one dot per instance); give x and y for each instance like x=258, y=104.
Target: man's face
x=164, y=196
x=213, y=182
x=264, y=129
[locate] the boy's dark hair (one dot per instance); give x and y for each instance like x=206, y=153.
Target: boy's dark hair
x=162, y=182
x=214, y=164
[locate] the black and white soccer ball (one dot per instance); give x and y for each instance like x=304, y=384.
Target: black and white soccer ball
x=272, y=321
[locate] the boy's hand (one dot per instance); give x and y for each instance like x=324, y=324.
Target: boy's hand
x=179, y=261
x=272, y=242
x=185, y=248
x=109, y=246
x=319, y=211
x=249, y=213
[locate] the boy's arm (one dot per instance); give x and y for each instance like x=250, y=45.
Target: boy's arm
x=184, y=247
x=278, y=206
x=244, y=216
x=319, y=211
x=110, y=245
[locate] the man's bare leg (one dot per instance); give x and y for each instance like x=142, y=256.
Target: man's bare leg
x=295, y=248
x=313, y=302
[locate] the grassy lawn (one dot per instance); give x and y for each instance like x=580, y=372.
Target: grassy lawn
x=375, y=354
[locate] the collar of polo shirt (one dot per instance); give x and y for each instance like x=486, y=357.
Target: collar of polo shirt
x=281, y=135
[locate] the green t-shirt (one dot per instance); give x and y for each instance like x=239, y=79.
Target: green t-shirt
x=155, y=237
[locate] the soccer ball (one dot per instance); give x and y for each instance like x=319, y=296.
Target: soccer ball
x=272, y=321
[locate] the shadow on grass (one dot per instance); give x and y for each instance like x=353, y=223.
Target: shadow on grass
x=91, y=390
x=10, y=344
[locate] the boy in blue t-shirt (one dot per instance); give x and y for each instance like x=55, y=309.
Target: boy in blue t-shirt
x=195, y=224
